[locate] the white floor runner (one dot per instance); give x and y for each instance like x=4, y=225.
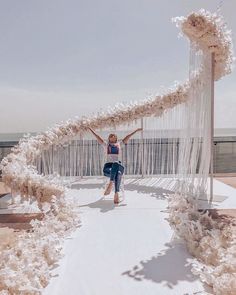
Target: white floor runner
x=127, y=249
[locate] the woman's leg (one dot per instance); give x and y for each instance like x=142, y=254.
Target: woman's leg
x=107, y=172
x=117, y=183
x=114, y=171
x=118, y=178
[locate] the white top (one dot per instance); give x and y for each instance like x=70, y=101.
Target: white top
x=113, y=151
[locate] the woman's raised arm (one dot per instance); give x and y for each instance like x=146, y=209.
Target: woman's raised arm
x=99, y=138
x=127, y=137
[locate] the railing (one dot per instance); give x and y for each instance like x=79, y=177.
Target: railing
x=224, y=157
x=5, y=148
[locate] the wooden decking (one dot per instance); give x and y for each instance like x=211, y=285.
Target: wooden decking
x=15, y=221
x=19, y=221
x=230, y=180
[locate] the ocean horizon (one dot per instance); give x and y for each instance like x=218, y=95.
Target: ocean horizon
x=218, y=132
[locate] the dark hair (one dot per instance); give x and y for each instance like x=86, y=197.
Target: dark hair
x=112, y=135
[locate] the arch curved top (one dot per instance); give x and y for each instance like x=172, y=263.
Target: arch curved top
x=208, y=31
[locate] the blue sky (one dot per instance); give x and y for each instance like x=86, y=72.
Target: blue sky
x=60, y=58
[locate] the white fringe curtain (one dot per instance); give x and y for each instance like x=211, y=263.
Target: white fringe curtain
x=195, y=139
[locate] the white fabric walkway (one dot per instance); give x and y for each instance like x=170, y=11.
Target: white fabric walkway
x=127, y=249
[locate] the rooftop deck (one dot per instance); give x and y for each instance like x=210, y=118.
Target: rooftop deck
x=125, y=249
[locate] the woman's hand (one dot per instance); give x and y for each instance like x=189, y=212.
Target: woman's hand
x=139, y=129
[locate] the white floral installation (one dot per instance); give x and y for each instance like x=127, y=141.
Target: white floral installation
x=211, y=241
x=39, y=248
x=210, y=32
x=18, y=172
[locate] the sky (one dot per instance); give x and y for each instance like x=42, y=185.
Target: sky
x=66, y=58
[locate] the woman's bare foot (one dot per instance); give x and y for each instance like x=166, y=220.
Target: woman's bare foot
x=108, y=188
x=116, y=198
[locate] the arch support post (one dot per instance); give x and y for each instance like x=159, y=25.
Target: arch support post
x=142, y=145
x=212, y=126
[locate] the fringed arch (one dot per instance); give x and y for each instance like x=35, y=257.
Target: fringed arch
x=175, y=144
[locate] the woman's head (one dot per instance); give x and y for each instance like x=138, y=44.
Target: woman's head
x=112, y=138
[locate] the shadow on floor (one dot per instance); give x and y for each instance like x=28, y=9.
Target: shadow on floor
x=154, y=191
x=105, y=205
x=147, y=186
x=169, y=267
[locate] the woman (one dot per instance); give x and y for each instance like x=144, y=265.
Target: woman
x=113, y=167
